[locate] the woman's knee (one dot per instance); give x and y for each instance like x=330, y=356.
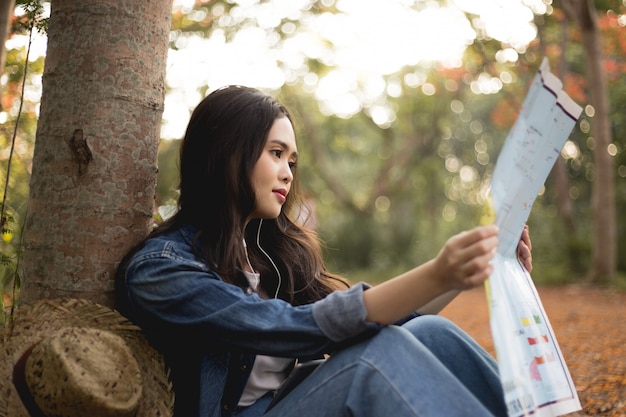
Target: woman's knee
x=427, y=337
x=438, y=332
x=394, y=335
x=430, y=324
x=393, y=343
x=418, y=333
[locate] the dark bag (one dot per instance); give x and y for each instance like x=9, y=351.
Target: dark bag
x=299, y=373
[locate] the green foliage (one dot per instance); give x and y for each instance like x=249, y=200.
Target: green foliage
x=15, y=177
x=387, y=197
x=168, y=176
x=33, y=18
x=396, y=180
x=10, y=255
x=620, y=281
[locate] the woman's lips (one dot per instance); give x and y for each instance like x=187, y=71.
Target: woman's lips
x=281, y=194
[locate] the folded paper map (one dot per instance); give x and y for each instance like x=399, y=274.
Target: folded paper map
x=534, y=375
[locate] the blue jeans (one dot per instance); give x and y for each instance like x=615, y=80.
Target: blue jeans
x=427, y=367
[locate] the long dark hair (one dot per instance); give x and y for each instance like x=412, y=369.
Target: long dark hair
x=224, y=139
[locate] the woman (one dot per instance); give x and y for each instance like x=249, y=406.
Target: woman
x=235, y=293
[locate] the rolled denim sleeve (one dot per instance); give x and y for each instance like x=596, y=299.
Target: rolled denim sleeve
x=170, y=288
x=342, y=314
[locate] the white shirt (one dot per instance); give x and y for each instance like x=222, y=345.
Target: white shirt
x=268, y=372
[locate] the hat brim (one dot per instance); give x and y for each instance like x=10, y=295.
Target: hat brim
x=33, y=322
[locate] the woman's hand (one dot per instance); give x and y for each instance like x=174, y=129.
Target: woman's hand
x=464, y=261
x=523, y=250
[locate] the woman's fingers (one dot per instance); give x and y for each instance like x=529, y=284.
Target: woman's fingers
x=466, y=256
x=524, y=248
x=479, y=269
x=468, y=238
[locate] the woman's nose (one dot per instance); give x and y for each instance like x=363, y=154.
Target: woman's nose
x=287, y=175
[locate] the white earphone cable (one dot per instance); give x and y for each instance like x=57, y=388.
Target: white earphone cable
x=258, y=243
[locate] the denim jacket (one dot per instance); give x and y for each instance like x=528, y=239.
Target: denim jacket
x=210, y=331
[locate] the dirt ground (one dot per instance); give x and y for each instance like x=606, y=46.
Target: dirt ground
x=590, y=327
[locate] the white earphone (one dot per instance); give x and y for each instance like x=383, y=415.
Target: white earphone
x=258, y=243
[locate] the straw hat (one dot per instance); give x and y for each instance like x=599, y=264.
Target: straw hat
x=70, y=357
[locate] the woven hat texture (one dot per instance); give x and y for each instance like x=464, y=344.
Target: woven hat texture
x=83, y=359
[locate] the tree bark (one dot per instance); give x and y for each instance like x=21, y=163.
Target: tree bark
x=565, y=207
x=6, y=12
x=604, y=245
x=95, y=159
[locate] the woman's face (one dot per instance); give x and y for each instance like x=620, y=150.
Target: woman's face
x=273, y=173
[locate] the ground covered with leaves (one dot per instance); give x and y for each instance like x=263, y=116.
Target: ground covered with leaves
x=590, y=327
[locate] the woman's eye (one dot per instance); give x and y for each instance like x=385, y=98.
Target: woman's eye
x=278, y=153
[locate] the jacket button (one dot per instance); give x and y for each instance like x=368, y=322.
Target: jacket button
x=244, y=368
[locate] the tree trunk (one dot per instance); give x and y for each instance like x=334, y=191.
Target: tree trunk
x=604, y=243
x=604, y=259
x=6, y=11
x=565, y=207
x=94, y=165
